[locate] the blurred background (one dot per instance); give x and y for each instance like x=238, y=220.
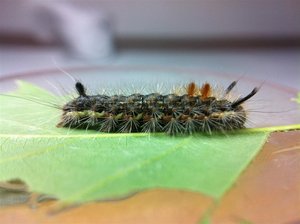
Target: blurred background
x=257, y=38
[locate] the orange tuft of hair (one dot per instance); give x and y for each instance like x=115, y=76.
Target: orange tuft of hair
x=205, y=91
x=191, y=89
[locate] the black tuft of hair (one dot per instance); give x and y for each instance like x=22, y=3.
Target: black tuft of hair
x=230, y=87
x=243, y=99
x=80, y=89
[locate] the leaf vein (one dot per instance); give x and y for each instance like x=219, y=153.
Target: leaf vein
x=123, y=172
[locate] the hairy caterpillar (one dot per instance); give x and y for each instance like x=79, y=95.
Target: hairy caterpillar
x=195, y=110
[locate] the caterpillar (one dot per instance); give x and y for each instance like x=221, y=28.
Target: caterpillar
x=196, y=109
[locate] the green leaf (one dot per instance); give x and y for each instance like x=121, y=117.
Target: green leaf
x=80, y=165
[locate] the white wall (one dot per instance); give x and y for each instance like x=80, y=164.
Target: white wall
x=175, y=18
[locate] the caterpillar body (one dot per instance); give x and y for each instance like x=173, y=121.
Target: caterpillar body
x=195, y=110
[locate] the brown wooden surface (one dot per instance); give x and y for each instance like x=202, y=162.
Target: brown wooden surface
x=156, y=206
x=267, y=192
